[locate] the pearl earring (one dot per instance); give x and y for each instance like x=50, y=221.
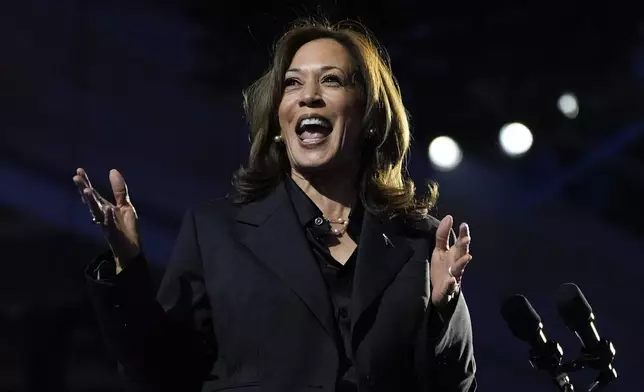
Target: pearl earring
x=371, y=132
x=278, y=139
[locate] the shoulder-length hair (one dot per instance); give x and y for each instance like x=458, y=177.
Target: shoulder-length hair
x=384, y=185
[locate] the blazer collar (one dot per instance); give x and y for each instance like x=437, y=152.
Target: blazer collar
x=258, y=212
x=383, y=251
x=276, y=237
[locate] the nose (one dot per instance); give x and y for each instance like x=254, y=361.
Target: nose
x=310, y=96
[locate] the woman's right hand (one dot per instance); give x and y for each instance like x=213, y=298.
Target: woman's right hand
x=118, y=220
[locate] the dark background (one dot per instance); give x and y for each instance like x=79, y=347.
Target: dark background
x=154, y=88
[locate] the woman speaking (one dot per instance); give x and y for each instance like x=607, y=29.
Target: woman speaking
x=320, y=271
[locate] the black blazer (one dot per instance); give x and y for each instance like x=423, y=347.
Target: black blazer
x=243, y=306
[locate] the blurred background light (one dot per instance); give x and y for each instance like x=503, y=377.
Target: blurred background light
x=444, y=153
x=568, y=105
x=515, y=139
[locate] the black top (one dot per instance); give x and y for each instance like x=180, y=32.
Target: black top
x=338, y=277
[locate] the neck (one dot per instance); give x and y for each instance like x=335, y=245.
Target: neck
x=332, y=193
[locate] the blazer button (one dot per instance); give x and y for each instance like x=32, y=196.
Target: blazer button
x=318, y=221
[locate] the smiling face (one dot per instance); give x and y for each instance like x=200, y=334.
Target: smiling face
x=321, y=110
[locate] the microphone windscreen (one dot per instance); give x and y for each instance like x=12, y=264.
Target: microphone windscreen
x=573, y=307
x=521, y=317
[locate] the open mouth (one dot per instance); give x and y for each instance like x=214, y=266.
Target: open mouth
x=312, y=129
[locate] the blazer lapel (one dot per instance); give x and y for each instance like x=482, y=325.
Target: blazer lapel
x=382, y=253
x=275, y=237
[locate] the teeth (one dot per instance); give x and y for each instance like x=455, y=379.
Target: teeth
x=315, y=121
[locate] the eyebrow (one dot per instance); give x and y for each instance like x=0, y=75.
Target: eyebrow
x=325, y=68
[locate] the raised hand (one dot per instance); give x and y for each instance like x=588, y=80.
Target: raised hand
x=448, y=263
x=118, y=220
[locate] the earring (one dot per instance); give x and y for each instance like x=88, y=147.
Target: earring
x=371, y=132
x=278, y=139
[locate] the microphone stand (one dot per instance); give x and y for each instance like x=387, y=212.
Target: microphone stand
x=600, y=358
x=548, y=358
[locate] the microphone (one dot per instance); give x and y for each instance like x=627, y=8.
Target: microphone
x=523, y=320
x=578, y=316
x=526, y=325
x=576, y=312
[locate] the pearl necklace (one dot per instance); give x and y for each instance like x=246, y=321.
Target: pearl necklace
x=340, y=221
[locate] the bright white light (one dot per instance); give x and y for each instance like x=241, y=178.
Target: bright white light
x=568, y=105
x=515, y=138
x=444, y=153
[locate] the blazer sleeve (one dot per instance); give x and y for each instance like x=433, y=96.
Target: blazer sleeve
x=164, y=343
x=451, y=351
x=449, y=341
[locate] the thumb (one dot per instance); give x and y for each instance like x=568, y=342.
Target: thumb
x=119, y=188
x=443, y=232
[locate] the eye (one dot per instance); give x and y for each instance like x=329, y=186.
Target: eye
x=290, y=82
x=332, y=80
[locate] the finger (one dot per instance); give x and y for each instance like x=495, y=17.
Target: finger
x=458, y=268
x=443, y=232
x=109, y=221
x=110, y=227
x=464, y=230
x=80, y=182
x=464, y=238
x=80, y=186
x=83, y=175
x=94, y=206
x=119, y=188
x=81, y=179
x=100, y=200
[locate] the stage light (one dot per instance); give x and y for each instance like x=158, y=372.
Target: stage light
x=568, y=105
x=515, y=139
x=444, y=153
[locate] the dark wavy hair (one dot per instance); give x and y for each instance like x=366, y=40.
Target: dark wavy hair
x=385, y=187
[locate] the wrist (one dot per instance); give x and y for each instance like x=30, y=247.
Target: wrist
x=442, y=300
x=122, y=262
x=444, y=303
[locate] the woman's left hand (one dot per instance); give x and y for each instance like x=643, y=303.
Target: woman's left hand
x=448, y=263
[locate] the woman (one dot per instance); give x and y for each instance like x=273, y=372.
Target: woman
x=314, y=274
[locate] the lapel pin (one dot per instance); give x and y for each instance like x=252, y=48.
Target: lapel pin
x=387, y=240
